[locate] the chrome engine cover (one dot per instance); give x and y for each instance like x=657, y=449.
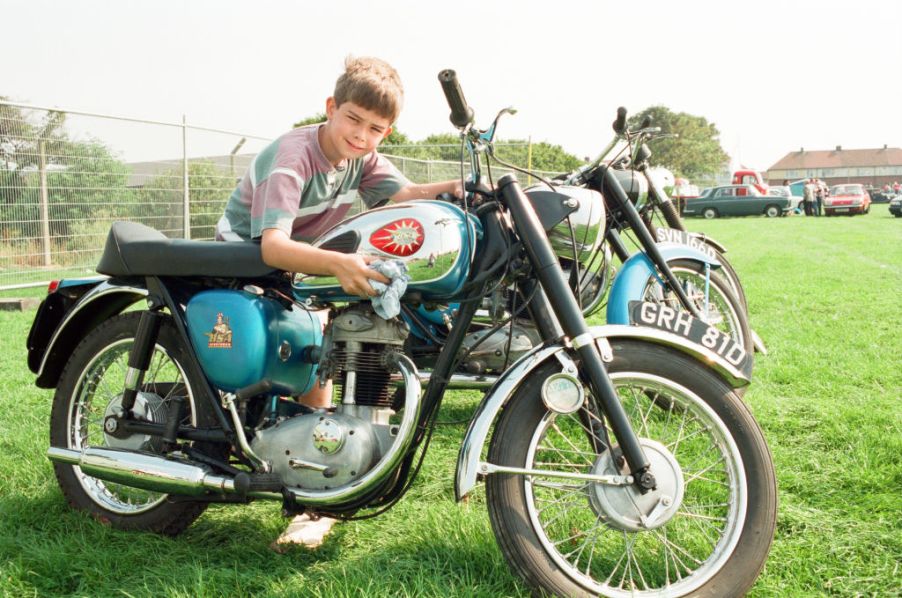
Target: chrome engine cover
x=341, y=446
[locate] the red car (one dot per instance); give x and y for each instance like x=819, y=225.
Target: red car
x=849, y=199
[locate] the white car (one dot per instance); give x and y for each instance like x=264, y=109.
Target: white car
x=795, y=201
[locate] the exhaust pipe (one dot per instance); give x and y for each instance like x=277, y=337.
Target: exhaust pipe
x=148, y=472
x=463, y=381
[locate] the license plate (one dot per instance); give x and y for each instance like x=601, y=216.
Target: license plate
x=672, y=235
x=842, y=209
x=662, y=317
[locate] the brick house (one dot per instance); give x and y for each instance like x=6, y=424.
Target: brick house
x=873, y=167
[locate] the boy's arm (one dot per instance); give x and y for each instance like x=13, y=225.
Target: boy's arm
x=428, y=190
x=351, y=269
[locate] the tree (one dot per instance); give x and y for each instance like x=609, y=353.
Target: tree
x=693, y=152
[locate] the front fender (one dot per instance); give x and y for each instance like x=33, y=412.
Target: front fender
x=496, y=398
x=100, y=303
x=629, y=284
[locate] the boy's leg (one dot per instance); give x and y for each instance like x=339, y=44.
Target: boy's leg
x=319, y=396
x=305, y=531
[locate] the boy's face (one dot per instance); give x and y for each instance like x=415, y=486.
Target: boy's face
x=353, y=131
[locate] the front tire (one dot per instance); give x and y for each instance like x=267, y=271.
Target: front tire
x=709, y=213
x=579, y=539
x=89, y=387
x=771, y=211
x=720, y=308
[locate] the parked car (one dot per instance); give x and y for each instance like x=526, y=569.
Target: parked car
x=850, y=198
x=880, y=196
x=785, y=191
x=736, y=200
x=895, y=206
x=683, y=190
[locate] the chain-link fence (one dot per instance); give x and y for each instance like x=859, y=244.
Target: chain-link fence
x=66, y=176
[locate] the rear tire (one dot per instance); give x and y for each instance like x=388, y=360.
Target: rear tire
x=91, y=382
x=561, y=539
x=709, y=213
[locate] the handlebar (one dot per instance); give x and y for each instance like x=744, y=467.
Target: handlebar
x=620, y=122
x=461, y=113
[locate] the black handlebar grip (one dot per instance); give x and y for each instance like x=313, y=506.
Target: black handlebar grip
x=620, y=123
x=461, y=114
x=646, y=122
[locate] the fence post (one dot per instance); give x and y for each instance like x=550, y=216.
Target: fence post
x=45, y=209
x=186, y=207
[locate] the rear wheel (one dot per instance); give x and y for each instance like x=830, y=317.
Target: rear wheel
x=705, y=530
x=90, y=389
x=709, y=213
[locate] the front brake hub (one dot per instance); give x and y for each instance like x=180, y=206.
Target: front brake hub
x=625, y=507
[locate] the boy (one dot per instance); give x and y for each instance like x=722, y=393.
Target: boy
x=304, y=183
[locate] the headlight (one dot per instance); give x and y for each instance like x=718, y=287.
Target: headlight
x=588, y=223
x=633, y=183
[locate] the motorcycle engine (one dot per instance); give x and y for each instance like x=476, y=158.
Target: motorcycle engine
x=330, y=448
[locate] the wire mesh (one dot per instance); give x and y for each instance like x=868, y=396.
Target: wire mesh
x=66, y=176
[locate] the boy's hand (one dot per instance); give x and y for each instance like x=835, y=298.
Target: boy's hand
x=354, y=275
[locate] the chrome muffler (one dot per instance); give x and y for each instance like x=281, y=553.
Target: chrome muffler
x=176, y=476
x=146, y=471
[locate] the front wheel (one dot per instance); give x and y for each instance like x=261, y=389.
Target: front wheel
x=712, y=295
x=90, y=389
x=709, y=213
x=705, y=530
x=771, y=211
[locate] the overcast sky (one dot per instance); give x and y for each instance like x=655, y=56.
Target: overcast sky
x=772, y=76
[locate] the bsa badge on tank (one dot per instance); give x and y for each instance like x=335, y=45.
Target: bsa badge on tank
x=401, y=237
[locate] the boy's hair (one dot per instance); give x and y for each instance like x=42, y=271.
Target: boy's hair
x=372, y=84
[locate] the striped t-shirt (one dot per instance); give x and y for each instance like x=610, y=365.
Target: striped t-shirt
x=291, y=186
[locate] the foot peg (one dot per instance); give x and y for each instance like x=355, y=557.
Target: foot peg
x=257, y=482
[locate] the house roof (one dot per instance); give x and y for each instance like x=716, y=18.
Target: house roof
x=839, y=158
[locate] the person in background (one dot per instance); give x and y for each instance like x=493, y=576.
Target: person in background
x=819, y=198
x=808, y=196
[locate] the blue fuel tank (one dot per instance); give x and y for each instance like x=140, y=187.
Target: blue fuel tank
x=432, y=237
x=241, y=338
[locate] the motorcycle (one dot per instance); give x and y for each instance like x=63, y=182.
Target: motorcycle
x=675, y=268
x=617, y=459
x=670, y=266
x=662, y=219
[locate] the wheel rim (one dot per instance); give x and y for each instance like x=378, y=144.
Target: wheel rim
x=99, y=385
x=709, y=214
x=675, y=559
x=716, y=311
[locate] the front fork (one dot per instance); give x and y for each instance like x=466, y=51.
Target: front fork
x=563, y=304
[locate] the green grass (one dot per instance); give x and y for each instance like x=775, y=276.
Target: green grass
x=824, y=295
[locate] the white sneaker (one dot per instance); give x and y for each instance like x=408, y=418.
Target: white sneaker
x=304, y=531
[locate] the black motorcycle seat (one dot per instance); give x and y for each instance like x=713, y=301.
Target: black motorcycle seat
x=133, y=249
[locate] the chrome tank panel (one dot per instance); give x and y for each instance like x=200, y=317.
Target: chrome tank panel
x=588, y=223
x=431, y=237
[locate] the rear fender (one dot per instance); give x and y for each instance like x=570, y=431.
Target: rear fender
x=474, y=443
x=629, y=284
x=101, y=302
